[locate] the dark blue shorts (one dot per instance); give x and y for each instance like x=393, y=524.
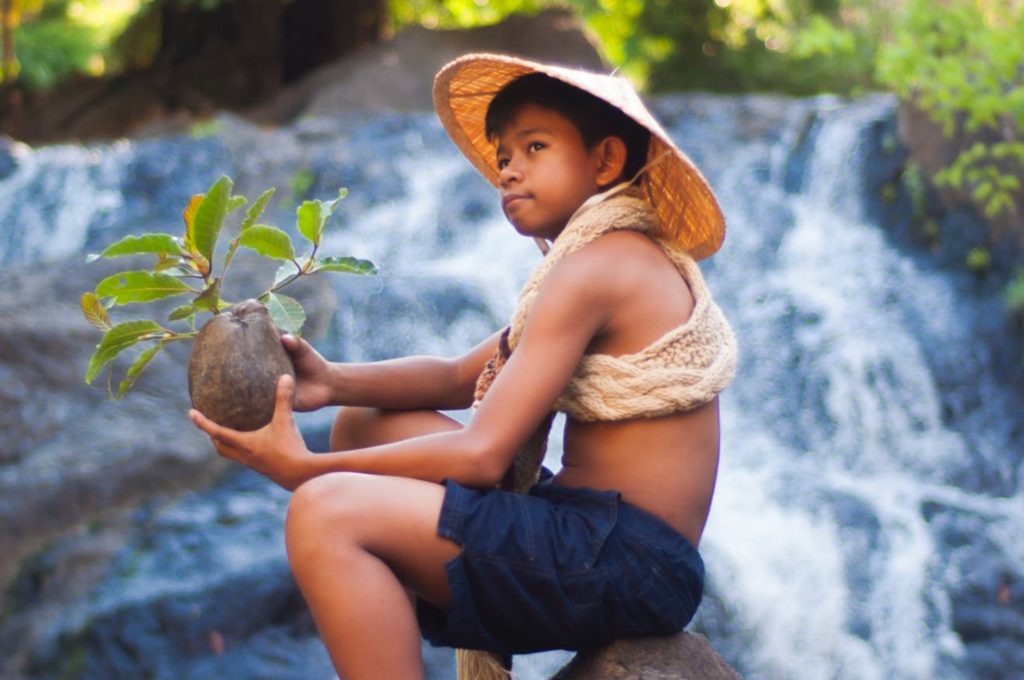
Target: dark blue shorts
x=558, y=568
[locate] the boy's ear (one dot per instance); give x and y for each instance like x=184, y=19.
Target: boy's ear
x=611, y=155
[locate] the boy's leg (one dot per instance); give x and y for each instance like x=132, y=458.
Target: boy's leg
x=355, y=542
x=356, y=426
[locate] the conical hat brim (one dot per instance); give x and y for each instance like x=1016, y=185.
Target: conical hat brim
x=686, y=206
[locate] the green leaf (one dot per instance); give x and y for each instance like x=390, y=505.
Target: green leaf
x=286, y=312
x=268, y=241
x=95, y=313
x=236, y=202
x=342, y=193
x=310, y=221
x=141, y=286
x=171, y=265
x=189, y=215
x=136, y=368
x=311, y=216
x=209, y=217
x=118, y=338
x=198, y=261
x=158, y=244
x=183, y=312
x=348, y=265
x=209, y=299
x=285, y=271
x=256, y=209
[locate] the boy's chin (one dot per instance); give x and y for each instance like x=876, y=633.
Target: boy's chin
x=533, y=231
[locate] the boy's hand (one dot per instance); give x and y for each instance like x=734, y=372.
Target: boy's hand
x=276, y=451
x=312, y=374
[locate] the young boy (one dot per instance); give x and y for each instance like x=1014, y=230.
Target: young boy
x=400, y=529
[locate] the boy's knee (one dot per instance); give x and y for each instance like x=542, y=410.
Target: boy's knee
x=354, y=427
x=319, y=507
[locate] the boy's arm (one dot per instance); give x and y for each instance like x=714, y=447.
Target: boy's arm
x=570, y=309
x=419, y=382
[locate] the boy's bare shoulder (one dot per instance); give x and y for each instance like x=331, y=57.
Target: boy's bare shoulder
x=615, y=262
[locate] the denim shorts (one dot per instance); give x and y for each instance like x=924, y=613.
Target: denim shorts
x=558, y=568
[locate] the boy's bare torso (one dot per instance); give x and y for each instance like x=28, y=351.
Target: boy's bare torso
x=665, y=465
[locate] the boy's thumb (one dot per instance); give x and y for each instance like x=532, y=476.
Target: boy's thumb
x=285, y=393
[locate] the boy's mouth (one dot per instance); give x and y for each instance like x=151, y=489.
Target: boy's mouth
x=508, y=199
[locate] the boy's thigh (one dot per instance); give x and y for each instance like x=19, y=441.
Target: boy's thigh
x=393, y=518
x=359, y=426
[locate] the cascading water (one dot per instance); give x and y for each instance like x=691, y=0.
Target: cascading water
x=835, y=439
x=868, y=500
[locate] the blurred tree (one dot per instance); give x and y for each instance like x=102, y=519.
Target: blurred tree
x=190, y=56
x=793, y=46
x=961, y=62
x=11, y=13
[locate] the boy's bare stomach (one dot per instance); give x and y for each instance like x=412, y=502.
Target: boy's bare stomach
x=666, y=466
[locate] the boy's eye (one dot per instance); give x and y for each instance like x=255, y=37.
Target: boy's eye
x=536, y=146
x=502, y=162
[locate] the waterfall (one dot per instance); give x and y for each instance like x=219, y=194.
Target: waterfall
x=868, y=505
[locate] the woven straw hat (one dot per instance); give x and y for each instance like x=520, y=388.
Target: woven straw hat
x=685, y=204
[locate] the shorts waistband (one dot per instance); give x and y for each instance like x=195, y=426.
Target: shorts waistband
x=631, y=518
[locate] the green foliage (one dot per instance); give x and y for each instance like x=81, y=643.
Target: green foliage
x=960, y=62
x=203, y=129
x=459, y=13
x=48, y=51
x=1014, y=295
x=299, y=186
x=184, y=265
x=56, y=38
x=913, y=184
x=795, y=46
x=979, y=260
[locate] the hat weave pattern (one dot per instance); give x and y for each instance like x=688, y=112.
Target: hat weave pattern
x=687, y=209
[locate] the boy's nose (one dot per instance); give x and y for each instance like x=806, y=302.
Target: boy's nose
x=508, y=174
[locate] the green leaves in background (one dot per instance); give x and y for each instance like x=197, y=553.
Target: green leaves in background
x=1015, y=293
x=959, y=61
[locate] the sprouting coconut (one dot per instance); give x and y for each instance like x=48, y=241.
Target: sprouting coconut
x=235, y=363
x=237, y=357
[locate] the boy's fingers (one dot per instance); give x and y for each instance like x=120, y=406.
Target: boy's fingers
x=285, y=392
x=200, y=421
x=228, y=451
x=220, y=433
x=294, y=345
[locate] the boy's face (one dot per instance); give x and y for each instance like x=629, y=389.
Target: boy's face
x=545, y=171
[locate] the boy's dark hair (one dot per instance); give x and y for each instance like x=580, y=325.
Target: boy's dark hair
x=593, y=117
